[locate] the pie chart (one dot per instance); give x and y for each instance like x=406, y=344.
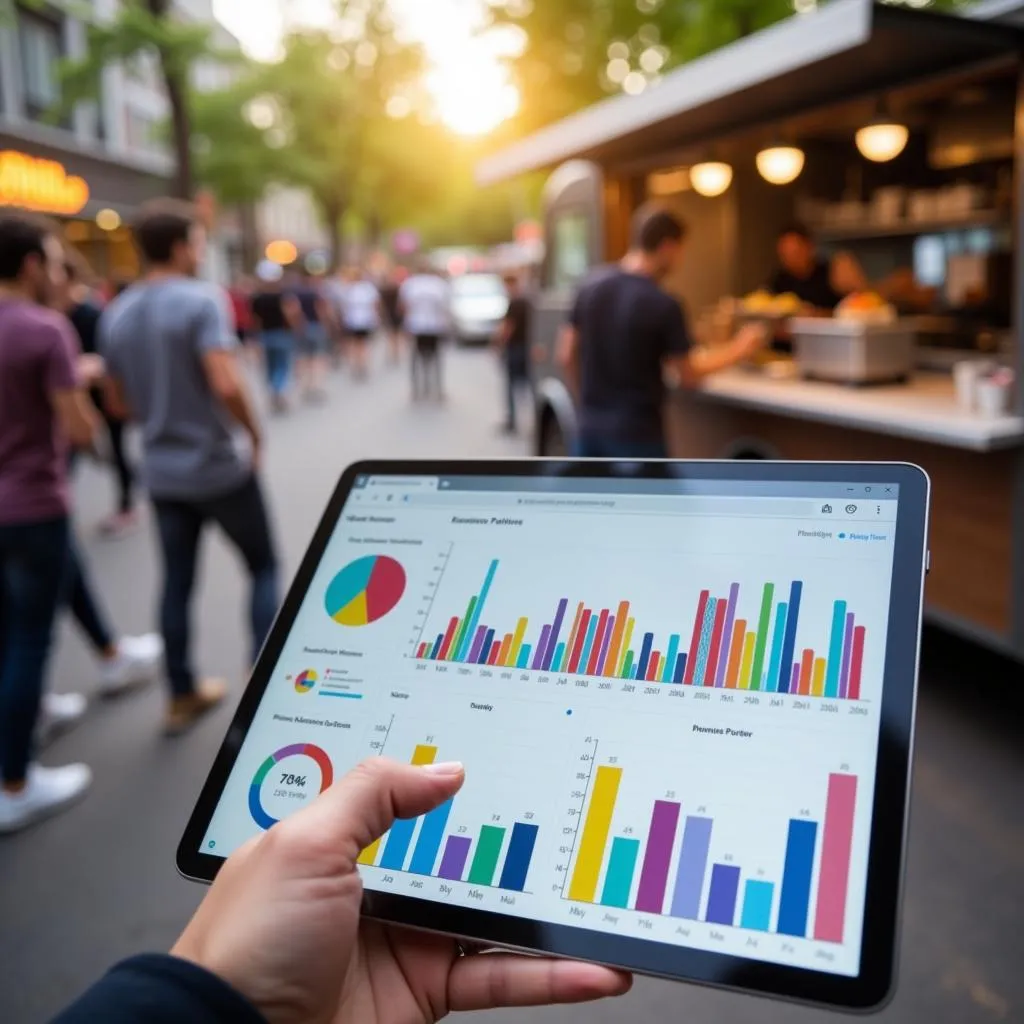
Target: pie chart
x=365, y=590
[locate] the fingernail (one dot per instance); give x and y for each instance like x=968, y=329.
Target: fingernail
x=445, y=768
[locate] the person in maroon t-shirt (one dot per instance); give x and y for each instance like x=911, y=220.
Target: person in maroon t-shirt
x=43, y=407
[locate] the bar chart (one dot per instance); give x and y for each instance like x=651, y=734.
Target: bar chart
x=670, y=870
x=737, y=641
x=495, y=855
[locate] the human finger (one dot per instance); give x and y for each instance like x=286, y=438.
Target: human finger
x=501, y=979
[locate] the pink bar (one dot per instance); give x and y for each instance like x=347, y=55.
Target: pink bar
x=837, y=847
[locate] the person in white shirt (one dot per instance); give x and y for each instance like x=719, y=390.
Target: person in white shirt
x=425, y=303
x=362, y=319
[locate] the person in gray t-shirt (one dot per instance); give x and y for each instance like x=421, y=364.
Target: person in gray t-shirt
x=170, y=348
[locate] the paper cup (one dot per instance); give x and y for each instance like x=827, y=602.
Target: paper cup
x=993, y=399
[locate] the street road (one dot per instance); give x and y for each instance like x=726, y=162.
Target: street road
x=98, y=883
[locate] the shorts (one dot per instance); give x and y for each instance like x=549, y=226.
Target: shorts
x=313, y=341
x=428, y=344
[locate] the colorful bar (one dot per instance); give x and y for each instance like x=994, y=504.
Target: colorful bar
x=503, y=654
x=588, y=644
x=581, y=636
x=757, y=905
x=711, y=673
x=728, y=635
x=796, y=878
x=524, y=656
x=605, y=645
x=538, y=658
x=571, y=642
x=517, y=643
x=762, y=635
x=844, y=679
x=736, y=654
x=517, y=860
x=818, y=678
x=789, y=650
x=485, y=860
x=559, y=657
x=704, y=648
x=556, y=629
x=495, y=656
x=422, y=651
x=693, y=865
x=437, y=647
x=615, y=649
x=698, y=626
x=778, y=642
x=747, y=666
x=671, y=658
x=645, y=656
x=428, y=845
x=627, y=669
x=806, y=671
x=474, y=618
x=794, y=682
x=654, y=667
x=421, y=755
x=595, y=651
x=626, y=641
x=857, y=662
x=485, y=650
x=449, y=639
x=680, y=669
x=478, y=644
x=835, y=650
x=463, y=634
x=836, y=849
x=725, y=886
x=594, y=838
x=618, y=879
x=650, y=897
x=456, y=853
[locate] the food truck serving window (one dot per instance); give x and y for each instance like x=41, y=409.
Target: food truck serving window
x=569, y=258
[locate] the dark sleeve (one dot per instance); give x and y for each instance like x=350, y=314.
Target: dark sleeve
x=160, y=990
x=86, y=322
x=778, y=285
x=576, y=316
x=678, y=340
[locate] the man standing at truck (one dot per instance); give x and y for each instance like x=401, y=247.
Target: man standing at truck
x=625, y=333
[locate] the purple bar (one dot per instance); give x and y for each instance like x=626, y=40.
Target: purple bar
x=693, y=865
x=555, y=630
x=650, y=896
x=725, y=884
x=456, y=853
x=478, y=642
x=730, y=619
x=538, y=658
x=794, y=683
x=606, y=643
x=844, y=679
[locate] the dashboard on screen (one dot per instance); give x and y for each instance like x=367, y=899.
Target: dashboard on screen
x=666, y=694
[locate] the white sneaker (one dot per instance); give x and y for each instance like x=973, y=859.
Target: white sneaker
x=138, y=661
x=59, y=713
x=47, y=791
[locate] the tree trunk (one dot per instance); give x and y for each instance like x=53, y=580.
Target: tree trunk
x=333, y=214
x=176, y=87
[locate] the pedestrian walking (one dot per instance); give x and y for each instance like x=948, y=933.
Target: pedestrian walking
x=277, y=316
x=314, y=340
x=425, y=303
x=392, y=315
x=43, y=408
x=625, y=332
x=362, y=309
x=173, y=365
x=513, y=341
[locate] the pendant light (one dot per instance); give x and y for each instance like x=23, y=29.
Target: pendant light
x=711, y=178
x=780, y=165
x=882, y=140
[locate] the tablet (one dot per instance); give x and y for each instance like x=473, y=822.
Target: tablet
x=684, y=694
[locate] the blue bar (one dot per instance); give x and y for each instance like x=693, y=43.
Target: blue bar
x=772, y=682
x=835, y=651
x=397, y=846
x=437, y=646
x=556, y=629
x=670, y=657
x=524, y=656
x=796, y=878
x=585, y=655
x=428, y=846
x=757, y=906
x=680, y=669
x=467, y=638
x=645, y=656
x=619, y=878
x=725, y=884
x=344, y=696
x=556, y=664
x=790, y=647
x=517, y=860
x=704, y=647
x=488, y=644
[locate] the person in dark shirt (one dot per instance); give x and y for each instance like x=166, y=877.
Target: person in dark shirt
x=624, y=333
x=314, y=340
x=279, y=937
x=803, y=273
x=277, y=316
x=513, y=340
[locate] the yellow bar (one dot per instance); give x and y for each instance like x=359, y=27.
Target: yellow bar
x=626, y=641
x=517, y=643
x=595, y=834
x=748, y=661
x=421, y=755
x=818, y=683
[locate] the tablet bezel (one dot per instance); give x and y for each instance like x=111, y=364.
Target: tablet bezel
x=873, y=987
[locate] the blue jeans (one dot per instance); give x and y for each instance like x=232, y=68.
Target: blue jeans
x=242, y=515
x=279, y=352
x=83, y=602
x=591, y=445
x=33, y=573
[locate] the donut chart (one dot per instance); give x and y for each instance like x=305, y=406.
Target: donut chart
x=305, y=681
x=365, y=591
x=259, y=813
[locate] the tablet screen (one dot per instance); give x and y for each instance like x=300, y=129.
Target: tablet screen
x=666, y=694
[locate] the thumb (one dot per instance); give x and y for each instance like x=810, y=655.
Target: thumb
x=363, y=805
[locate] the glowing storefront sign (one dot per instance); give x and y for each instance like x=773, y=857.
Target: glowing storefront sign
x=41, y=185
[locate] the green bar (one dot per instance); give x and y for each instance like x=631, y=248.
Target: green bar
x=627, y=668
x=485, y=860
x=453, y=654
x=619, y=878
x=762, y=636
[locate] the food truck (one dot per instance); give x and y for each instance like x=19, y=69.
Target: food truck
x=897, y=137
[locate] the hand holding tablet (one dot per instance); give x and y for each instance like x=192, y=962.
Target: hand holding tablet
x=683, y=693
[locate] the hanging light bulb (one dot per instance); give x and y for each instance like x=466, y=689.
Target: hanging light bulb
x=780, y=165
x=882, y=140
x=711, y=178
